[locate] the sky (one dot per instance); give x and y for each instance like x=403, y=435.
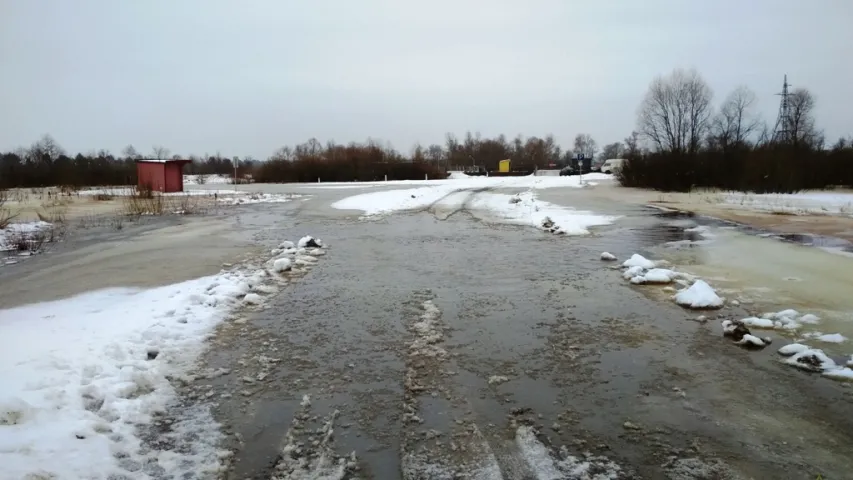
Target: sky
x=245, y=78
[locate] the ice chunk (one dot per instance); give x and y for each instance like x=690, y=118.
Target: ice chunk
x=282, y=265
x=698, y=295
x=286, y=245
x=310, y=242
x=638, y=260
x=253, y=299
x=832, y=338
x=792, y=349
x=632, y=272
x=758, y=322
x=751, y=340
x=659, y=275
x=842, y=373
x=811, y=359
x=608, y=256
x=809, y=318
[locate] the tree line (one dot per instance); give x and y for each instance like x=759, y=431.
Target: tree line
x=682, y=142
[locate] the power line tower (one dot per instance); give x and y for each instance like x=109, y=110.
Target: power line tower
x=782, y=131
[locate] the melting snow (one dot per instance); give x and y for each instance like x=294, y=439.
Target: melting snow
x=698, y=295
x=607, y=256
x=638, y=260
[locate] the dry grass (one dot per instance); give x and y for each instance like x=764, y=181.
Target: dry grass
x=146, y=202
x=6, y=213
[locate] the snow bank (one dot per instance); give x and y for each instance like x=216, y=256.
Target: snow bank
x=82, y=378
x=698, y=295
x=377, y=203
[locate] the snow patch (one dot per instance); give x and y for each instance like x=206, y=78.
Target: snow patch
x=607, y=256
x=547, y=466
x=698, y=295
x=832, y=338
x=638, y=260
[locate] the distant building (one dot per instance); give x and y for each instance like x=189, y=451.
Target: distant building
x=165, y=176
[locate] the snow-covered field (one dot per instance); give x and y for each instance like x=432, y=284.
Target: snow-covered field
x=796, y=203
x=207, y=179
x=81, y=379
x=523, y=208
x=17, y=236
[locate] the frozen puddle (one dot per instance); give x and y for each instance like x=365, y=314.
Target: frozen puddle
x=86, y=382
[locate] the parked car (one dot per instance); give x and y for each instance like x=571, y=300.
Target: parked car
x=569, y=170
x=612, y=166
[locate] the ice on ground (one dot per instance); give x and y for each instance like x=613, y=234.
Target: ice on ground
x=698, y=295
x=607, y=256
x=498, y=379
x=809, y=318
x=842, y=373
x=77, y=377
x=253, y=299
x=789, y=319
x=638, y=260
x=832, y=338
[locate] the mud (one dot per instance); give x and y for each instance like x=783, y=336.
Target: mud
x=594, y=367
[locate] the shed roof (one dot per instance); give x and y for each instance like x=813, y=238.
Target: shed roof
x=161, y=160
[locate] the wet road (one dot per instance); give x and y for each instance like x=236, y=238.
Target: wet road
x=459, y=349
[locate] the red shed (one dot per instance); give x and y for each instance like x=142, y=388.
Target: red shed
x=161, y=175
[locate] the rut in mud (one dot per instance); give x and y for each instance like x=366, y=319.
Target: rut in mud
x=441, y=347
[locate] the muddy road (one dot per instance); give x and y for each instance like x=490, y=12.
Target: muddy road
x=437, y=345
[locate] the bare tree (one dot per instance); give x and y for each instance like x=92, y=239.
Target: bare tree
x=676, y=111
x=160, y=152
x=585, y=144
x=130, y=152
x=612, y=150
x=736, y=122
x=632, y=145
x=801, y=104
x=45, y=149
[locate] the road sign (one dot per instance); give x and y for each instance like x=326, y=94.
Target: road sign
x=579, y=156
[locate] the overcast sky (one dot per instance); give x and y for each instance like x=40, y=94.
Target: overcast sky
x=246, y=77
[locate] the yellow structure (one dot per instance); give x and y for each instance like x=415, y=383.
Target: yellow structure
x=503, y=166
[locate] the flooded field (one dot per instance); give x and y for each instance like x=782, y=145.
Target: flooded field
x=536, y=350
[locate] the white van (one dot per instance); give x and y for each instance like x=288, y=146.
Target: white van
x=612, y=166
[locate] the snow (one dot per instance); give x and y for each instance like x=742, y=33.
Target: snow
x=607, y=256
x=28, y=232
x=758, y=322
x=698, y=295
x=281, y=265
x=807, y=358
x=751, y=340
x=638, y=260
x=207, y=179
x=632, y=272
x=547, y=466
x=656, y=275
x=524, y=208
x=832, y=338
x=309, y=241
x=83, y=378
x=79, y=368
x=798, y=203
x=792, y=349
x=254, y=198
x=809, y=318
